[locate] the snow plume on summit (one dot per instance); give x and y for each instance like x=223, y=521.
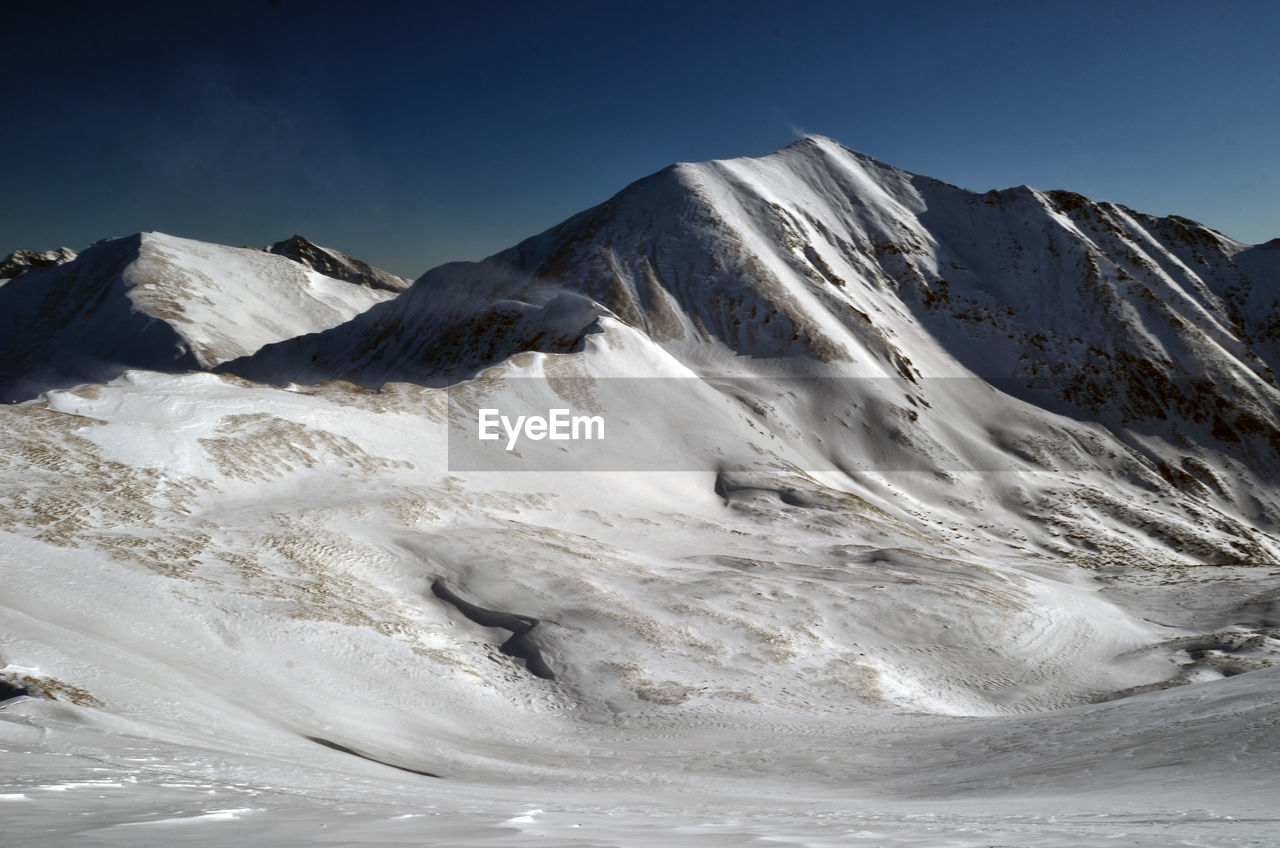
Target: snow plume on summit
x=916, y=515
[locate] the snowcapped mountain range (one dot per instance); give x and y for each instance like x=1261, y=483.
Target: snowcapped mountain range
x=909, y=492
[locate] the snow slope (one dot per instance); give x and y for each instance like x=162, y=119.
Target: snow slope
x=849, y=567
x=162, y=303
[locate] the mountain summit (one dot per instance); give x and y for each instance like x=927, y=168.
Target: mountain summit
x=161, y=303
x=337, y=265
x=21, y=261
x=953, y=330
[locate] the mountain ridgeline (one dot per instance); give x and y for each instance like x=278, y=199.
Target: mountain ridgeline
x=837, y=264
x=815, y=259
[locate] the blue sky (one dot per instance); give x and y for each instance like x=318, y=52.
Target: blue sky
x=417, y=133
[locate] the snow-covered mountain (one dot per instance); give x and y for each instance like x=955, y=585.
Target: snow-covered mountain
x=1112, y=340
x=921, y=515
x=160, y=303
x=822, y=253
x=22, y=261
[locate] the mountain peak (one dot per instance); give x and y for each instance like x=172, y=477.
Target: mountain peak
x=21, y=260
x=820, y=254
x=828, y=148
x=336, y=264
x=813, y=140
x=161, y=303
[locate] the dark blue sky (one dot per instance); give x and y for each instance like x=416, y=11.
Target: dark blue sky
x=417, y=133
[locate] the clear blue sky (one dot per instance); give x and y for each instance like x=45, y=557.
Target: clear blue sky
x=417, y=133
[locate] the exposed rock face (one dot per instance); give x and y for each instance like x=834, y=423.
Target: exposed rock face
x=337, y=265
x=21, y=261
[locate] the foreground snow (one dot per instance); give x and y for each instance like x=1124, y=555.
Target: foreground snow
x=755, y=669
x=684, y=783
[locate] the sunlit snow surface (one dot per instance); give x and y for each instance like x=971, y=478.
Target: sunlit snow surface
x=724, y=673
x=222, y=595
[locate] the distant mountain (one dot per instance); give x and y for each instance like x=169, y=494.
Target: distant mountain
x=159, y=303
x=21, y=261
x=337, y=265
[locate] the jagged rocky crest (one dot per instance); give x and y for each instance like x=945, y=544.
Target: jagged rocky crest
x=159, y=303
x=21, y=260
x=337, y=265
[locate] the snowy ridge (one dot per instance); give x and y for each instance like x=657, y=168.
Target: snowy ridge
x=160, y=303
x=21, y=261
x=1017, y=330
x=817, y=251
